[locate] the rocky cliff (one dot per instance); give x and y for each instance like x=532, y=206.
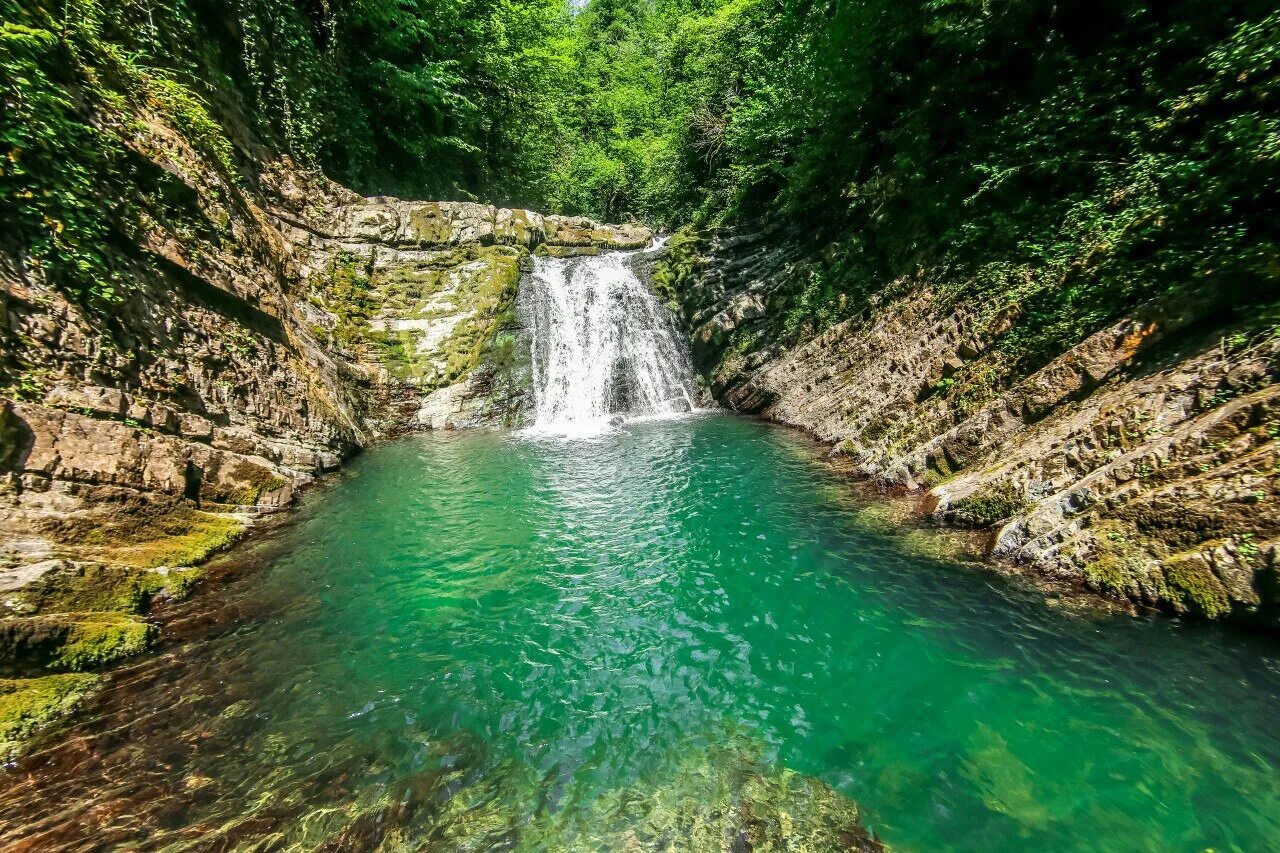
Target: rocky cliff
x=267, y=331
x=1141, y=462
x=422, y=295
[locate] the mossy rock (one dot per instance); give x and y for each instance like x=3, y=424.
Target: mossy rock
x=174, y=584
x=70, y=642
x=430, y=225
x=146, y=534
x=491, y=294
x=567, y=251
x=478, y=283
x=89, y=588
x=1109, y=573
x=105, y=588
x=1194, y=587
x=182, y=537
x=1123, y=564
x=253, y=481
x=1186, y=524
x=1002, y=501
x=29, y=706
x=96, y=642
x=1131, y=563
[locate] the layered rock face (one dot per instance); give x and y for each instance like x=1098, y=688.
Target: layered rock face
x=422, y=294
x=229, y=378
x=137, y=438
x=1141, y=463
x=268, y=332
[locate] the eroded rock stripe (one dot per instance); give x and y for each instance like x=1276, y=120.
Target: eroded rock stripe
x=1141, y=463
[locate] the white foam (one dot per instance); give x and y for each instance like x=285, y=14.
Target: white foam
x=604, y=349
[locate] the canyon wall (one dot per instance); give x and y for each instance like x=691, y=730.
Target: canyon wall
x=1141, y=463
x=267, y=331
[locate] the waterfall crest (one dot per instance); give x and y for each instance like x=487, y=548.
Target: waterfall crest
x=603, y=348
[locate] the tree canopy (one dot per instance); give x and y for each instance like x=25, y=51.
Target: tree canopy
x=1088, y=154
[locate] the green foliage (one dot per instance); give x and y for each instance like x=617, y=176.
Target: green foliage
x=646, y=112
x=426, y=98
x=1073, y=160
x=82, y=81
x=56, y=168
x=1070, y=161
x=190, y=114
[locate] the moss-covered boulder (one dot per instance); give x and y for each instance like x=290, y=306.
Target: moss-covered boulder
x=71, y=642
x=96, y=642
x=31, y=705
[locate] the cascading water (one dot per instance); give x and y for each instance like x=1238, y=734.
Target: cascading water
x=602, y=346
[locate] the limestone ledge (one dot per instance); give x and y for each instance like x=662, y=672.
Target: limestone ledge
x=201, y=462
x=399, y=224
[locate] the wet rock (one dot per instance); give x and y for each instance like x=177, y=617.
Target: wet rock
x=31, y=705
x=522, y=228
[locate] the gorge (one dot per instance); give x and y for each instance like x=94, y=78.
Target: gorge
x=898, y=470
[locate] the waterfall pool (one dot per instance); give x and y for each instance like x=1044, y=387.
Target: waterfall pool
x=486, y=641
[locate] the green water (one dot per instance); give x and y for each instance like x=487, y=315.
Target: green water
x=485, y=642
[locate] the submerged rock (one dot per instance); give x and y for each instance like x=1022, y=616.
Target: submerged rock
x=720, y=798
x=31, y=705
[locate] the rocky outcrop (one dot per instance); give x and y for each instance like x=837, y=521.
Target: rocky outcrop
x=142, y=434
x=1141, y=462
x=352, y=223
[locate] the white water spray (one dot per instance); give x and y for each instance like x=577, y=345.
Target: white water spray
x=603, y=348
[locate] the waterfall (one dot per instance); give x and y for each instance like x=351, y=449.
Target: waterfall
x=603, y=348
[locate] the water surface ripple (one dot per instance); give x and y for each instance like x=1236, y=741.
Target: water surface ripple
x=493, y=642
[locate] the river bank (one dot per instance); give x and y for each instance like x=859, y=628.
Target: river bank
x=1140, y=463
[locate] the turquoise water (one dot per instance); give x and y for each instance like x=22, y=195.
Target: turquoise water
x=482, y=641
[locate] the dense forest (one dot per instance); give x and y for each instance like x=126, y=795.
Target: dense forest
x=1081, y=156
